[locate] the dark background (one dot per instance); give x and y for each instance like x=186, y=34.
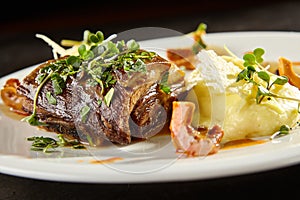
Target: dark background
x=59, y=20
x=19, y=48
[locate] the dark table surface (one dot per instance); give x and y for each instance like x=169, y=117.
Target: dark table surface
x=19, y=48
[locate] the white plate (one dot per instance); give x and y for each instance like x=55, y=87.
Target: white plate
x=154, y=160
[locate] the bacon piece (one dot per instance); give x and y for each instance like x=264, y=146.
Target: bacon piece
x=188, y=140
x=285, y=68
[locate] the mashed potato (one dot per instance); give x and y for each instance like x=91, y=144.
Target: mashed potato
x=221, y=100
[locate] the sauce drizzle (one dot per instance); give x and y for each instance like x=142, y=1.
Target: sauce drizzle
x=241, y=143
x=106, y=161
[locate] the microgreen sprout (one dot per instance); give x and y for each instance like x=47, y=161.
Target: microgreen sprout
x=96, y=38
x=57, y=72
x=96, y=56
x=283, y=130
x=33, y=119
x=247, y=74
x=254, y=58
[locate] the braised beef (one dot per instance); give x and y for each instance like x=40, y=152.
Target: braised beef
x=138, y=108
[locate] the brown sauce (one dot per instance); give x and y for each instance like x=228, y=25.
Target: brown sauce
x=165, y=131
x=9, y=112
x=241, y=143
x=182, y=57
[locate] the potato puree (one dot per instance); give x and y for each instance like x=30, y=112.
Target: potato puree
x=221, y=100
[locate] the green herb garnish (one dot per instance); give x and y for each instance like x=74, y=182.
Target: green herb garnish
x=247, y=74
x=45, y=144
x=40, y=143
x=108, y=96
x=50, y=98
x=283, y=130
x=32, y=119
x=98, y=59
x=96, y=38
x=164, y=84
x=198, y=37
x=57, y=72
x=84, y=113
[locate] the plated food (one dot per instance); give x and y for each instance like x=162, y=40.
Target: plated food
x=101, y=91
